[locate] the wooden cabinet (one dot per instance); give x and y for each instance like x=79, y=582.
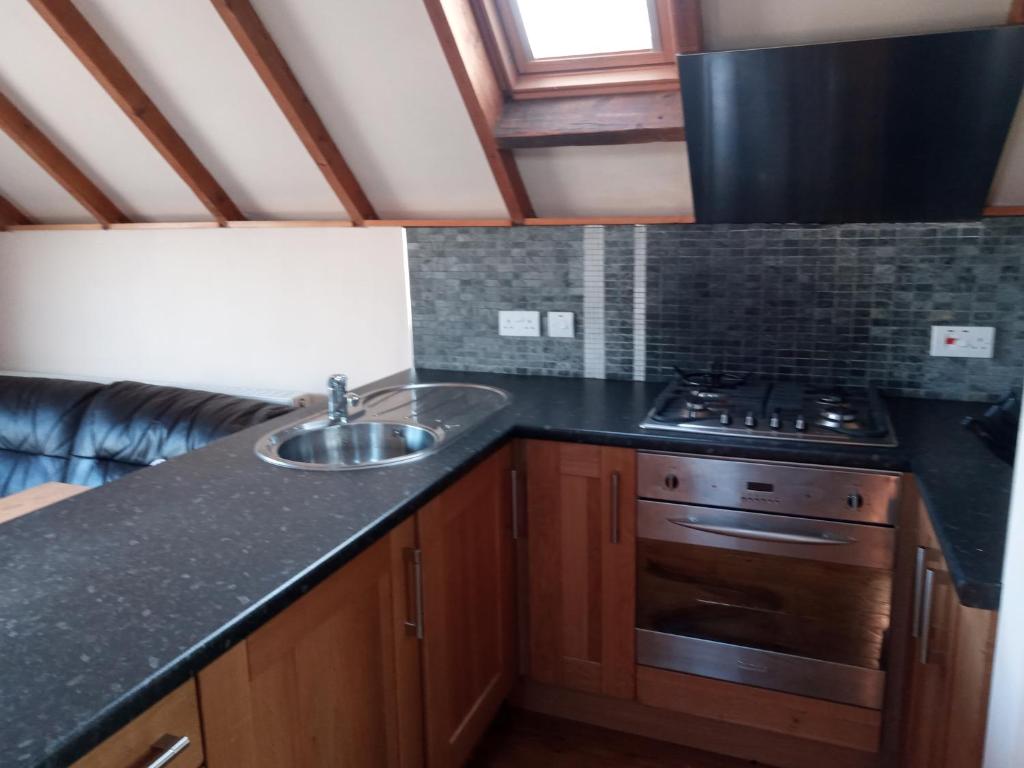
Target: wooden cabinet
x=332, y=681
x=581, y=537
x=949, y=669
x=172, y=724
x=469, y=654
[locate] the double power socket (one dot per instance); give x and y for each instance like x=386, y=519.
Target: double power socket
x=560, y=325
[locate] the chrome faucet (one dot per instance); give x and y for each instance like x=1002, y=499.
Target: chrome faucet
x=339, y=399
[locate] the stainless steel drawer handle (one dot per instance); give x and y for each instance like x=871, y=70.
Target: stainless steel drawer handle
x=926, y=616
x=414, y=602
x=615, y=508
x=747, y=533
x=169, y=748
x=920, y=560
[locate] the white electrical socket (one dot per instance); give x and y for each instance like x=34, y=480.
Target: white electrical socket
x=560, y=325
x=518, y=323
x=962, y=341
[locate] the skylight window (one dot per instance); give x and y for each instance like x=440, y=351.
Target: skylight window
x=545, y=48
x=562, y=28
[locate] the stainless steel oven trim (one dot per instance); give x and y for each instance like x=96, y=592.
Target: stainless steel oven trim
x=764, y=669
x=869, y=546
x=806, y=490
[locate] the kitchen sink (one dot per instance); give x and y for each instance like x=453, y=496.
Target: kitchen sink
x=394, y=425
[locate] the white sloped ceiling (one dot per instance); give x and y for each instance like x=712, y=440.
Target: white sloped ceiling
x=186, y=60
x=47, y=82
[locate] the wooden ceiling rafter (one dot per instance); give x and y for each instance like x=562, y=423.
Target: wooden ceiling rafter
x=11, y=215
x=261, y=50
x=463, y=47
x=101, y=62
x=26, y=135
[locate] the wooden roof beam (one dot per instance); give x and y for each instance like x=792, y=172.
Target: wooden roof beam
x=464, y=48
x=25, y=134
x=83, y=40
x=11, y=215
x=248, y=29
x=573, y=121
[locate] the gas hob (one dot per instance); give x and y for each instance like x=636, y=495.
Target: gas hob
x=731, y=404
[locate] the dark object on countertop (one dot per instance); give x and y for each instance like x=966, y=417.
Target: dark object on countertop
x=89, y=434
x=998, y=427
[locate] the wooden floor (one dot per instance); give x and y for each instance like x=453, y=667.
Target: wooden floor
x=520, y=738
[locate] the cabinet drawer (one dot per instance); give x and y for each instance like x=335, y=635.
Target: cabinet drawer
x=149, y=737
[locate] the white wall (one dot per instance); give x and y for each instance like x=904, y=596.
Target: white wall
x=1004, y=747
x=214, y=308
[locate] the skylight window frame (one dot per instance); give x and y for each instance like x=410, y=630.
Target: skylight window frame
x=678, y=31
x=660, y=52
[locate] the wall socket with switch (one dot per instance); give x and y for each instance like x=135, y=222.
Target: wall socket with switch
x=560, y=325
x=963, y=341
x=518, y=323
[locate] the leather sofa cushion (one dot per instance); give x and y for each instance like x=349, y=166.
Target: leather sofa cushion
x=39, y=419
x=129, y=425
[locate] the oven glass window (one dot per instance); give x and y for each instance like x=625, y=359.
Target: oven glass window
x=822, y=610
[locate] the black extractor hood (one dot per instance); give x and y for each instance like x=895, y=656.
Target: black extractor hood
x=893, y=129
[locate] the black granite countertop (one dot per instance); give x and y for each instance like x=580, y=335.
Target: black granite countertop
x=112, y=598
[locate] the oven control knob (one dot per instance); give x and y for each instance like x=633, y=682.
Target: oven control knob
x=855, y=501
x=750, y=420
x=800, y=424
x=725, y=419
x=775, y=422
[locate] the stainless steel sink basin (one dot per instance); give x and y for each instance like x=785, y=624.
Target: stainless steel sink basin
x=393, y=425
x=324, y=446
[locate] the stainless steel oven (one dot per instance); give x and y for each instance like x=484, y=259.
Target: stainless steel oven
x=768, y=574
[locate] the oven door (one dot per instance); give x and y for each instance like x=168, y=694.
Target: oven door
x=789, y=603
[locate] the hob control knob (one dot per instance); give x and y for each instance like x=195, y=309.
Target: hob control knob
x=750, y=420
x=800, y=424
x=775, y=422
x=855, y=501
x=725, y=419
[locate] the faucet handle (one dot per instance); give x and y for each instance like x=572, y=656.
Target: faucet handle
x=337, y=381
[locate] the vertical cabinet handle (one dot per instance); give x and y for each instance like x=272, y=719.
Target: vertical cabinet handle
x=920, y=559
x=926, y=616
x=514, y=475
x=414, y=601
x=615, y=508
x=169, y=748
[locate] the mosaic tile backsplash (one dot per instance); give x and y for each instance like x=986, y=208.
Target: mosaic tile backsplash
x=850, y=304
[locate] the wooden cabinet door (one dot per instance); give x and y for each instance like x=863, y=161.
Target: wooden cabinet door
x=950, y=669
x=332, y=681
x=469, y=657
x=581, y=536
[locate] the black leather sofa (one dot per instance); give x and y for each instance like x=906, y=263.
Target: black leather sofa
x=89, y=434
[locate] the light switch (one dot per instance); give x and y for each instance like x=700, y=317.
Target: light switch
x=518, y=323
x=560, y=325
x=963, y=341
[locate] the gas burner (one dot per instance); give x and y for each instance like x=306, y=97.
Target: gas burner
x=701, y=394
x=830, y=399
x=713, y=380
x=837, y=416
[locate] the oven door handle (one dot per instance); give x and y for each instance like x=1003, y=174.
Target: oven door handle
x=747, y=533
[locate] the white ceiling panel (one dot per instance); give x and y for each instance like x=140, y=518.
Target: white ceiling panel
x=34, y=191
x=40, y=74
x=752, y=23
x=185, y=58
x=626, y=180
x=378, y=77
x=1008, y=187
